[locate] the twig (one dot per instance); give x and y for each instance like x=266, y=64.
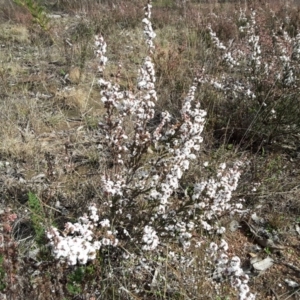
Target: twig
x=296, y=269
x=295, y=292
x=264, y=242
x=275, y=294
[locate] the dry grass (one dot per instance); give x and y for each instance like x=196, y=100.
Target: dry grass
x=49, y=111
x=17, y=33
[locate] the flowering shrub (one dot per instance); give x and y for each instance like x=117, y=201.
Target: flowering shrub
x=258, y=82
x=143, y=203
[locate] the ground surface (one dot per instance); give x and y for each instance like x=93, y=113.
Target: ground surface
x=49, y=111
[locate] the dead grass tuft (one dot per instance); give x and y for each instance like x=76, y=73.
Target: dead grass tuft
x=14, y=33
x=72, y=99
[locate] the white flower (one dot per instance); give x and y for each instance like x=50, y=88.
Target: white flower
x=213, y=247
x=206, y=226
x=221, y=230
x=223, y=260
x=235, y=282
x=244, y=288
x=105, y=223
x=149, y=239
x=235, y=263
x=222, y=166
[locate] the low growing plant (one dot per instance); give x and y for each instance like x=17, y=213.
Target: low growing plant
x=37, y=217
x=37, y=12
x=74, y=280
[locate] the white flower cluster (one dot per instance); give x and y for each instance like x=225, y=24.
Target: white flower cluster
x=140, y=104
x=230, y=268
x=213, y=197
x=114, y=187
x=296, y=48
x=180, y=149
x=77, y=242
x=228, y=56
x=149, y=239
x=208, y=202
x=148, y=31
x=216, y=40
x=255, y=51
x=235, y=57
x=146, y=99
x=288, y=57
x=100, y=52
x=146, y=79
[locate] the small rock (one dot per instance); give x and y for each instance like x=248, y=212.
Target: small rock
x=291, y=283
x=53, y=16
x=297, y=228
x=258, y=220
x=234, y=225
x=261, y=264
